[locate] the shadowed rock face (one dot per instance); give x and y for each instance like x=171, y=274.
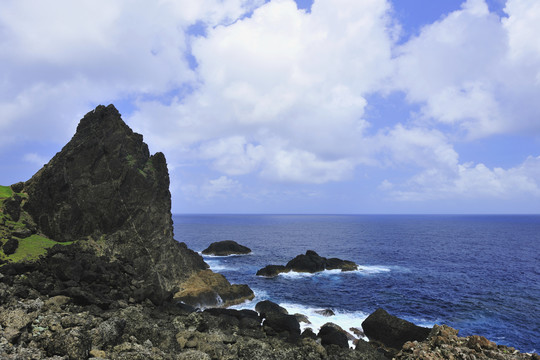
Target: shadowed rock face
x=392, y=331
x=105, y=186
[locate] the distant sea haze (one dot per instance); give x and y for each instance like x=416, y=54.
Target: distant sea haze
x=477, y=273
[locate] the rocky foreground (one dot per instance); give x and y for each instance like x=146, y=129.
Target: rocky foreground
x=89, y=269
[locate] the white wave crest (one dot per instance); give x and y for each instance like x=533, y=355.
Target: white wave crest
x=217, y=266
x=372, y=269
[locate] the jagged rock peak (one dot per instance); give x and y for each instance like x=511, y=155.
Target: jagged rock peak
x=105, y=187
x=99, y=180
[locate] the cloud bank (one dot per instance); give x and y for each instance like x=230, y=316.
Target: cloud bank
x=264, y=90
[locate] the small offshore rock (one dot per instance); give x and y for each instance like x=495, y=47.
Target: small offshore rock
x=225, y=248
x=272, y=270
x=310, y=262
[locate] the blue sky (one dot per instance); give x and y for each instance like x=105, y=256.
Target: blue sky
x=324, y=106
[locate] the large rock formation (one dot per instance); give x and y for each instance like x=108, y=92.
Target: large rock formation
x=104, y=187
x=392, y=331
x=226, y=248
x=310, y=262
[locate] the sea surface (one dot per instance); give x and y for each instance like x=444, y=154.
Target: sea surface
x=479, y=274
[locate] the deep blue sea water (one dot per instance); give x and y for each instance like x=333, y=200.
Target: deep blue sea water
x=479, y=274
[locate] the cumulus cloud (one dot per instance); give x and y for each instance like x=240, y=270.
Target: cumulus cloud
x=215, y=188
x=469, y=181
x=62, y=57
x=475, y=72
x=273, y=91
x=282, y=92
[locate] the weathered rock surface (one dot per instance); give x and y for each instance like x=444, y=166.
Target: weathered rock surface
x=443, y=343
x=226, y=248
x=310, y=262
x=332, y=334
x=207, y=288
x=105, y=188
x=272, y=270
x=10, y=246
x=268, y=307
x=12, y=207
x=392, y=331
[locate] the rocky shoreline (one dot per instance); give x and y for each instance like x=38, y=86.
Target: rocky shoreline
x=90, y=270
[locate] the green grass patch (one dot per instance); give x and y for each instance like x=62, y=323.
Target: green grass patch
x=32, y=248
x=5, y=191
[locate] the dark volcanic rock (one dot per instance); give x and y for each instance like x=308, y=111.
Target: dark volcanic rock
x=331, y=334
x=272, y=270
x=12, y=207
x=105, y=186
x=310, y=262
x=10, y=246
x=392, y=331
x=225, y=248
x=284, y=325
x=207, y=288
x=268, y=307
x=17, y=187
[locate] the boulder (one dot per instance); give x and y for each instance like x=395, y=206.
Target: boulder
x=272, y=270
x=12, y=207
x=208, y=289
x=302, y=318
x=392, y=331
x=268, y=307
x=332, y=334
x=17, y=187
x=10, y=246
x=225, y=248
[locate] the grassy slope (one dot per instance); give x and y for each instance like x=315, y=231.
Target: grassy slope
x=30, y=248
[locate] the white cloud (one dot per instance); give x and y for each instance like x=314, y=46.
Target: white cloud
x=469, y=70
x=282, y=93
x=222, y=186
x=62, y=57
x=471, y=181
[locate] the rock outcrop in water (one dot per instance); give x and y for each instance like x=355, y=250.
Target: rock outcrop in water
x=226, y=248
x=310, y=262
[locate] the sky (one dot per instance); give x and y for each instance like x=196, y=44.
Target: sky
x=282, y=106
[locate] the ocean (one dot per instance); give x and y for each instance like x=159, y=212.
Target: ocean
x=476, y=273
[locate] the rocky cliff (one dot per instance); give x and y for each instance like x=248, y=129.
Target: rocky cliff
x=104, y=188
